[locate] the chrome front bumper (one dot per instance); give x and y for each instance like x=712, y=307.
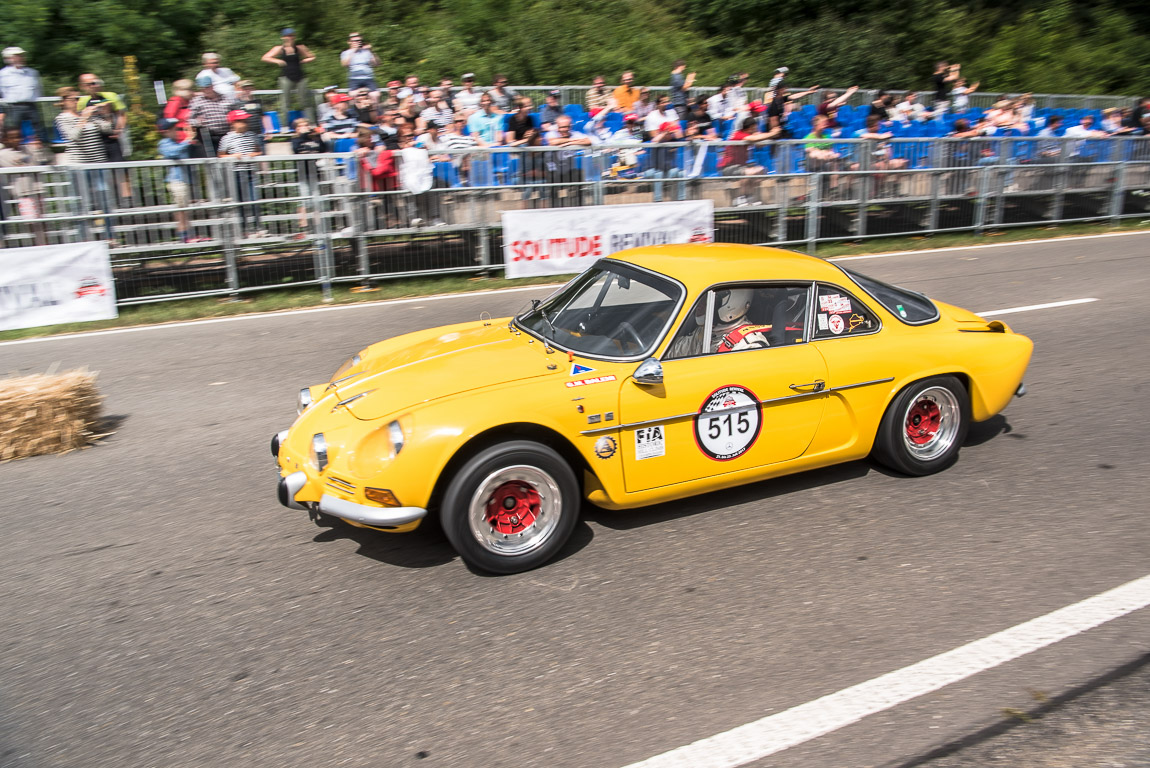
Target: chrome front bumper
x=382, y=517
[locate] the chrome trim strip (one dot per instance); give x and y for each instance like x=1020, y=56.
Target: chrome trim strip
x=384, y=517
x=860, y=384
x=340, y=484
x=784, y=398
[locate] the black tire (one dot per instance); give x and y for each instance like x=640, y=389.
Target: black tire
x=911, y=440
x=490, y=535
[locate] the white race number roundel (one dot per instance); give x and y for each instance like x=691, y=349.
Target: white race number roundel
x=728, y=423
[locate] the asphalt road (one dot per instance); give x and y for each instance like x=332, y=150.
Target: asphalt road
x=158, y=607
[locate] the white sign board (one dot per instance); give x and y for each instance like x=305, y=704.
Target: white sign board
x=559, y=241
x=52, y=284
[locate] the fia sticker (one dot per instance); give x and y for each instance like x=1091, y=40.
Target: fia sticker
x=855, y=321
x=901, y=310
x=650, y=443
x=728, y=423
x=579, y=370
x=605, y=447
x=592, y=380
x=836, y=323
x=822, y=322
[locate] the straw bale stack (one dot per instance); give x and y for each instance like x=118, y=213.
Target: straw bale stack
x=48, y=413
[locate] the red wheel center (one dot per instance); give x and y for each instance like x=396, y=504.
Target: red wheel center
x=512, y=508
x=923, y=421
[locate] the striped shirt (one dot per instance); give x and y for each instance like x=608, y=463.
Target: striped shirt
x=457, y=141
x=441, y=117
x=244, y=143
x=85, y=139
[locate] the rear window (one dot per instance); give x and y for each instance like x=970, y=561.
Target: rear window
x=910, y=307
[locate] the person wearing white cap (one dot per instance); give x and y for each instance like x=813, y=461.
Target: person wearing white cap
x=19, y=89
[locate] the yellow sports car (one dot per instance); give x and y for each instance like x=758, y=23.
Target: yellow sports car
x=658, y=373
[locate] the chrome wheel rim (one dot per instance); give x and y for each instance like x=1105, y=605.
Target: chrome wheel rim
x=930, y=424
x=515, y=510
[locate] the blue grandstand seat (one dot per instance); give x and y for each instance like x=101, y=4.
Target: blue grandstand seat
x=294, y=115
x=447, y=173
x=575, y=111
x=274, y=118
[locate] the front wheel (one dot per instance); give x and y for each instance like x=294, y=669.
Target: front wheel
x=511, y=507
x=924, y=426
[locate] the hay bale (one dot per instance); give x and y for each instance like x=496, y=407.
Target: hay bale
x=48, y=413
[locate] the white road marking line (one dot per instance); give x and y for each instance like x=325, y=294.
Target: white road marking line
x=984, y=245
x=282, y=313
x=1032, y=307
x=821, y=716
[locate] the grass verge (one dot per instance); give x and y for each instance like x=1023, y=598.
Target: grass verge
x=298, y=298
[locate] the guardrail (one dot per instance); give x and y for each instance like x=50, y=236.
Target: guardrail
x=298, y=220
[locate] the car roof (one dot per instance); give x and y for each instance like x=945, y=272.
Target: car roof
x=699, y=265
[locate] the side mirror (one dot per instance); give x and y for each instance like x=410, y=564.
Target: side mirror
x=650, y=371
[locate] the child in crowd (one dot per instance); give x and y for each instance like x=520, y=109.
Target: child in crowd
x=240, y=143
x=177, y=146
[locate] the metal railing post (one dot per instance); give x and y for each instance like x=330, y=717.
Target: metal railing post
x=323, y=243
x=814, y=185
x=231, y=227
x=1118, y=195
x=935, y=190
x=981, y=200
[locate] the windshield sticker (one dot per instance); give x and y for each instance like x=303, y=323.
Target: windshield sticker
x=649, y=443
x=822, y=322
x=837, y=324
x=579, y=370
x=835, y=304
x=855, y=321
x=901, y=311
x=605, y=447
x=592, y=380
x=728, y=423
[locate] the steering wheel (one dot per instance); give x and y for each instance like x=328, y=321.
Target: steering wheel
x=633, y=334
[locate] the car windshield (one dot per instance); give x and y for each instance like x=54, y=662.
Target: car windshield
x=909, y=307
x=612, y=310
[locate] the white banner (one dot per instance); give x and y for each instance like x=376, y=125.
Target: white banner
x=559, y=241
x=51, y=284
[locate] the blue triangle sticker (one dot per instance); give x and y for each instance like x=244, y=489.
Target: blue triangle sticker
x=578, y=370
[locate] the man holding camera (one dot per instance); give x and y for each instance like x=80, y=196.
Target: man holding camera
x=361, y=62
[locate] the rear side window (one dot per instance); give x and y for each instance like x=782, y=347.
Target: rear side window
x=910, y=307
x=838, y=314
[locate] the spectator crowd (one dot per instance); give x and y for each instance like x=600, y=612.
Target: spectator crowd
x=396, y=130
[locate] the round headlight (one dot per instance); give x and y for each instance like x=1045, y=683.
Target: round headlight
x=319, y=450
x=303, y=400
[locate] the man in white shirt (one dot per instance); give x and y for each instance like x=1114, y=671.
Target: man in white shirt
x=909, y=109
x=223, y=79
x=1083, y=131
x=721, y=106
x=19, y=89
x=662, y=113
x=467, y=97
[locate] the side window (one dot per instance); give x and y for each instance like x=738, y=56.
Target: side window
x=743, y=316
x=838, y=313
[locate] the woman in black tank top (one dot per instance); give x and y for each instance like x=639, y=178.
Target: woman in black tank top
x=290, y=57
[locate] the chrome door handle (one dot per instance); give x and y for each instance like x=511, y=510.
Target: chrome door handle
x=815, y=386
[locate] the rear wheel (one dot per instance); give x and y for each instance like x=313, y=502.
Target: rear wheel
x=924, y=426
x=511, y=507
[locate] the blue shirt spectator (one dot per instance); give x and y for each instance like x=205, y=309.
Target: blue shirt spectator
x=486, y=124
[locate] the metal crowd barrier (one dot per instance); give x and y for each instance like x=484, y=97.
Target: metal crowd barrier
x=321, y=219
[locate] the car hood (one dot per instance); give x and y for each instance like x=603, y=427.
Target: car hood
x=420, y=367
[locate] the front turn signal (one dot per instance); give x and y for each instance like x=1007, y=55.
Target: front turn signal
x=381, y=496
